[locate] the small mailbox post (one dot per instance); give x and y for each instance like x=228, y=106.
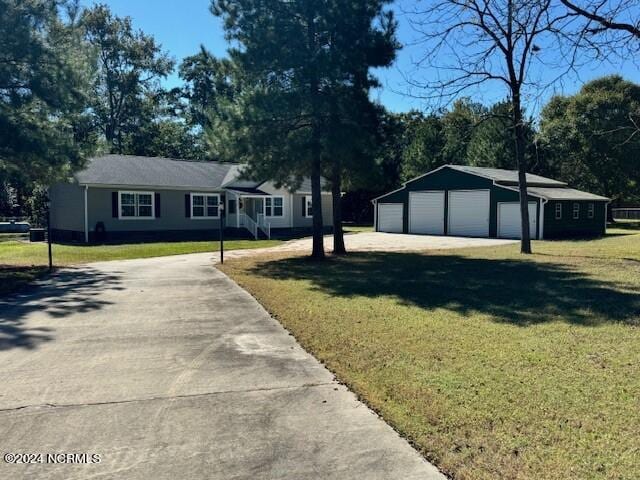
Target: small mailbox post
x=221, y=207
x=48, y=205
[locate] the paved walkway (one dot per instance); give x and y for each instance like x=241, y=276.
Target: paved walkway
x=166, y=369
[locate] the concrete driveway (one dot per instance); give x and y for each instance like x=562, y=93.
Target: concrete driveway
x=379, y=242
x=396, y=242
x=166, y=369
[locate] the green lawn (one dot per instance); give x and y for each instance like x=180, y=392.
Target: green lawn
x=350, y=228
x=25, y=253
x=17, y=277
x=494, y=364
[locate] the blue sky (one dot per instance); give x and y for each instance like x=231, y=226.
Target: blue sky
x=182, y=26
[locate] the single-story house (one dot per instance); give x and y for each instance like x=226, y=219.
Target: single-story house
x=124, y=197
x=484, y=202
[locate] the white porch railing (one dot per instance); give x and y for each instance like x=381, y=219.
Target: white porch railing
x=264, y=225
x=250, y=224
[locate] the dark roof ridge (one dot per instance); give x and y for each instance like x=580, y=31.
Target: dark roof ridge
x=165, y=158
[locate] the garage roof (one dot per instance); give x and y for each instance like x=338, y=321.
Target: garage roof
x=537, y=186
x=564, y=194
x=507, y=176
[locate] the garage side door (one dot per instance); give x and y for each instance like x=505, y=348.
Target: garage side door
x=426, y=212
x=390, y=217
x=469, y=213
x=509, y=221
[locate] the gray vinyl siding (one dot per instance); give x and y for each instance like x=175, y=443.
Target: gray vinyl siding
x=285, y=220
x=172, y=213
x=67, y=207
x=300, y=221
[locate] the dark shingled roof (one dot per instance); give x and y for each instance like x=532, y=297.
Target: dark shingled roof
x=538, y=186
x=130, y=170
x=507, y=176
x=248, y=191
x=565, y=194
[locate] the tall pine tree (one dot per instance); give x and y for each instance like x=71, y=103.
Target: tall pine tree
x=42, y=91
x=303, y=77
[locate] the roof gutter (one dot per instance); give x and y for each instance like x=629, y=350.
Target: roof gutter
x=153, y=187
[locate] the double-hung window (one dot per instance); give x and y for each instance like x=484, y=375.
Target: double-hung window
x=205, y=205
x=558, y=211
x=308, y=206
x=273, y=206
x=576, y=211
x=136, y=205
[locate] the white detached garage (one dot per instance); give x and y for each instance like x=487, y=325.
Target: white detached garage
x=462, y=201
x=485, y=202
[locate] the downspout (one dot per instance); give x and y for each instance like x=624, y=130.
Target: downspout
x=543, y=202
x=375, y=214
x=86, y=214
x=291, y=207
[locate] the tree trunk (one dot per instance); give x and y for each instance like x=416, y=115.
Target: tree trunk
x=520, y=141
x=336, y=195
x=316, y=199
x=317, y=252
x=609, y=208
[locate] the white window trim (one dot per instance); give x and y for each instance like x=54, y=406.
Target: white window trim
x=203, y=194
x=136, y=192
x=273, y=209
x=307, y=199
x=576, y=211
x=591, y=211
x=558, y=211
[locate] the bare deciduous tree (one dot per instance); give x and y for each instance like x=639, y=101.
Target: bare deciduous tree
x=621, y=16
x=473, y=42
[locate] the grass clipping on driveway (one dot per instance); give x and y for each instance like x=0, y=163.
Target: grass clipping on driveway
x=494, y=364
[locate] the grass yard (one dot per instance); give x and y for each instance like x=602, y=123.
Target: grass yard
x=15, y=278
x=495, y=365
x=22, y=262
x=352, y=228
x=25, y=253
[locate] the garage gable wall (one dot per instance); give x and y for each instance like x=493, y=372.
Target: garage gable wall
x=447, y=179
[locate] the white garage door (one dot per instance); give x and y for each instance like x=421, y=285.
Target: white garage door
x=469, y=213
x=509, y=220
x=390, y=217
x=426, y=212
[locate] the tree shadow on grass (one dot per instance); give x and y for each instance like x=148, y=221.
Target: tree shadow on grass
x=520, y=292
x=66, y=292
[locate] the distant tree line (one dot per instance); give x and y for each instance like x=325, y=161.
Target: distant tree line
x=292, y=98
x=590, y=139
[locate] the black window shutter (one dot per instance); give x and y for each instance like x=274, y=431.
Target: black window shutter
x=187, y=205
x=114, y=204
x=304, y=206
x=156, y=202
